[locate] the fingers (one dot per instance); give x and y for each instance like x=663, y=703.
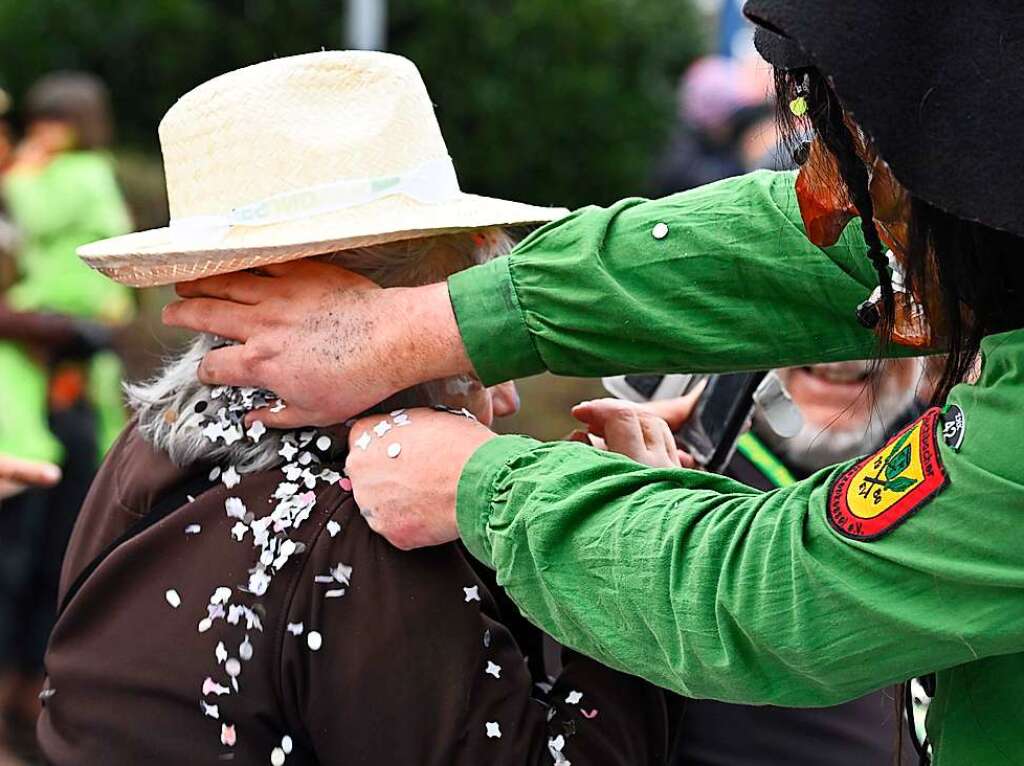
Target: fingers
x=239, y=287
x=675, y=411
x=28, y=472
x=217, y=317
x=624, y=434
x=230, y=366
x=596, y=413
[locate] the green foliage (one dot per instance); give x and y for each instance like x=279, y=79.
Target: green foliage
x=549, y=101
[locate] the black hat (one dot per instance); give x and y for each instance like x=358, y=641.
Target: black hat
x=938, y=85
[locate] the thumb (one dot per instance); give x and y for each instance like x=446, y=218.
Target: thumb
x=674, y=411
x=595, y=413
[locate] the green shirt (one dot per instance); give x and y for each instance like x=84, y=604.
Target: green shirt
x=701, y=584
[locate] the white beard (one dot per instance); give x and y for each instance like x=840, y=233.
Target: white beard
x=816, y=447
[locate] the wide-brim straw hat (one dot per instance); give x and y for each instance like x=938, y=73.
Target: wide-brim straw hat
x=296, y=157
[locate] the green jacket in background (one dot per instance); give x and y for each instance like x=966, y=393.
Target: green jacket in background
x=70, y=202
x=697, y=582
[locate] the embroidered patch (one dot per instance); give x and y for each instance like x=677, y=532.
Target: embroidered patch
x=883, y=490
x=953, y=426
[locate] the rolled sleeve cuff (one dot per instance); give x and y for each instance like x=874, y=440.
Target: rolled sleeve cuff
x=478, y=486
x=491, y=323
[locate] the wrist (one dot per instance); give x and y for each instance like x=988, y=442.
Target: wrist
x=426, y=343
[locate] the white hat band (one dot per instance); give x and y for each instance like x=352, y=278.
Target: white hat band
x=432, y=183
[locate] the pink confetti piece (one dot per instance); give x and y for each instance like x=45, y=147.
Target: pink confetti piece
x=227, y=735
x=346, y=484
x=574, y=698
x=589, y=713
x=212, y=687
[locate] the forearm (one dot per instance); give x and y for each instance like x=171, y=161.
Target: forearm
x=711, y=589
x=599, y=293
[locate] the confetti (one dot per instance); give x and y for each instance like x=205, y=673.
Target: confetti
x=288, y=451
x=256, y=431
x=305, y=458
x=394, y=450
x=235, y=508
x=221, y=596
x=230, y=478
x=487, y=638
x=221, y=653
x=574, y=698
x=493, y=730
x=472, y=593
x=227, y=735
x=396, y=413
x=45, y=694
x=323, y=443
x=173, y=598
x=233, y=668
x=364, y=441
x=205, y=624
x=295, y=628
x=314, y=640
x=212, y=687
x=210, y=710
x=193, y=529
x=333, y=528
x=382, y=428
x=493, y=669
x=245, y=649
x=555, y=747
x=278, y=406
x=589, y=713
x=277, y=757
x=346, y=484
x=337, y=593
x=286, y=744
x=238, y=531
x=215, y=473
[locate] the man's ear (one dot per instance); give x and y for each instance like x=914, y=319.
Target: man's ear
x=504, y=399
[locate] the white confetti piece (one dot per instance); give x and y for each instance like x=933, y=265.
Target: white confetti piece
x=286, y=744
x=364, y=441
x=305, y=458
x=314, y=640
x=278, y=406
x=230, y=478
x=555, y=747
x=323, y=443
x=382, y=428
x=173, y=598
x=487, y=638
x=277, y=757
x=396, y=413
x=574, y=698
x=394, y=450
x=245, y=650
x=221, y=652
x=190, y=499
x=295, y=628
x=256, y=431
x=333, y=528
x=215, y=473
x=288, y=451
x=337, y=593
x=221, y=596
x=212, y=687
x=235, y=508
x=193, y=529
x=227, y=735
x=233, y=667
x=493, y=669
x=238, y=531
x=205, y=624
x=493, y=730
x=472, y=593
x=209, y=710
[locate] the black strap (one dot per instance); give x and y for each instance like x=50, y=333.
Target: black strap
x=163, y=507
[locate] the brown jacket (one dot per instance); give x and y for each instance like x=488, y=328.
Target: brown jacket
x=412, y=669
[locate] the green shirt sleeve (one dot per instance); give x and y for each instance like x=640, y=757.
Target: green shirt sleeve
x=704, y=586
x=597, y=293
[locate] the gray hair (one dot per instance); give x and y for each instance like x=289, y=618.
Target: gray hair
x=172, y=408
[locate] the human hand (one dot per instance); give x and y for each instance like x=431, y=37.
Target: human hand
x=17, y=474
x=329, y=342
x=642, y=432
x=410, y=498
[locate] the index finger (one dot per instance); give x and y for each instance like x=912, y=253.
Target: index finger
x=210, y=315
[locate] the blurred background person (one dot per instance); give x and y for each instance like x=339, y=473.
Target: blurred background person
x=725, y=126
x=60, y=382
x=849, y=409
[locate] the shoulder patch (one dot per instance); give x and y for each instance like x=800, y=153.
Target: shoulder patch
x=882, y=491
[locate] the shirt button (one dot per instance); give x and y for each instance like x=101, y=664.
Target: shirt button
x=660, y=231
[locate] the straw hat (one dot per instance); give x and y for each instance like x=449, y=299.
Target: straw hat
x=296, y=157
